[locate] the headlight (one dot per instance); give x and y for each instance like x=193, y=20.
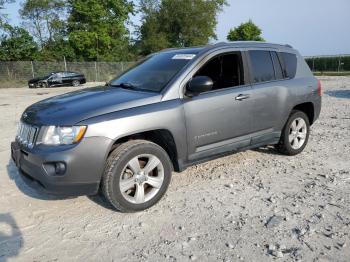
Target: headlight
x=61, y=135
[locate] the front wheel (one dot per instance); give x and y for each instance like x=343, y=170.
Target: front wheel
x=136, y=176
x=76, y=83
x=295, y=134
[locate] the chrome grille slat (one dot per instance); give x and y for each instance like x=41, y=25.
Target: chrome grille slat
x=26, y=134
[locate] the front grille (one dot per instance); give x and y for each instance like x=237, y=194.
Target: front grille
x=26, y=134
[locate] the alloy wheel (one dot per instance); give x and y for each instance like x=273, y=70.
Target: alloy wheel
x=297, y=133
x=142, y=178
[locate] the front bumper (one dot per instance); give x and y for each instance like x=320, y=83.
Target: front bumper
x=84, y=164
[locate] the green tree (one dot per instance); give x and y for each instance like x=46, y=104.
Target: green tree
x=151, y=39
x=56, y=51
x=245, y=32
x=17, y=44
x=175, y=23
x=44, y=19
x=97, y=30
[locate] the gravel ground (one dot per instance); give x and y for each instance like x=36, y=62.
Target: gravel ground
x=252, y=206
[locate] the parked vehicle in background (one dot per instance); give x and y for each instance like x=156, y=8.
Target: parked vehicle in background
x=64, y=78
x=175, y=108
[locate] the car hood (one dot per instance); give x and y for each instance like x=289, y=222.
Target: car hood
x=71, y=108
x=36, y=79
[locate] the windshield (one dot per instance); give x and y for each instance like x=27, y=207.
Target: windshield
x=51, y=74
x=153, y=73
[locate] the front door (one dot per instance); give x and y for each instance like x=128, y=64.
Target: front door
x=219, y=120
x=56, y=79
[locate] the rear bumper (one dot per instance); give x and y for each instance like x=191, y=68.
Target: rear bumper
x=83, y=165
x=317, y=108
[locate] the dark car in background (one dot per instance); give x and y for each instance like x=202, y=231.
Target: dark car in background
x=63, y=78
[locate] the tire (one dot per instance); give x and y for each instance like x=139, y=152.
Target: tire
x=120, y=171
x=294, y=140
x=76, y=83
x=44, y=85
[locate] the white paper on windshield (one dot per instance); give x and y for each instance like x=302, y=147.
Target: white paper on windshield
x=184, y=56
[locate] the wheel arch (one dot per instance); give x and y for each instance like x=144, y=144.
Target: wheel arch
x=308, y=108
x=162, y=137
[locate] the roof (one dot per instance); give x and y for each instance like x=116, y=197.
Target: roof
x=237, y=44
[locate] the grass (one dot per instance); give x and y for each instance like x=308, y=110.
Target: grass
x=12, y=84
x=343, y=73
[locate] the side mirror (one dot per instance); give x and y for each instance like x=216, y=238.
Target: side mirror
x=199, y=84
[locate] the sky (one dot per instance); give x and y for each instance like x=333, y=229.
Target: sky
x=314, y=27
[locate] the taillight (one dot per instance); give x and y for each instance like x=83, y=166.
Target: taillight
x=319, y=88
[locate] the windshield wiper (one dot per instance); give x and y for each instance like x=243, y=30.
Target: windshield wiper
x=124, y=85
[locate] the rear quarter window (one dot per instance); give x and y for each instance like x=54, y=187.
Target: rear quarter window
x=289, y=64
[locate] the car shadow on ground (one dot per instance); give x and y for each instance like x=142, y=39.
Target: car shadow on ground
x=33, y=189
x=28, y=186
x=271, y=150
x=339, y=93
x=11, y=240
x=101, y=201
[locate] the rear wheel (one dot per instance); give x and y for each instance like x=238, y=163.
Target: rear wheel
x=295, y=134
x=136, y=176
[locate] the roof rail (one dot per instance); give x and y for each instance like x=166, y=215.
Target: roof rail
x=250, y=43
x=220, y=43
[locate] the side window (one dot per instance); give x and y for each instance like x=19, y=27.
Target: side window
x=289, y=64
x=277, y=66
x=54, y=76
x=225, y=70
x=262, y=67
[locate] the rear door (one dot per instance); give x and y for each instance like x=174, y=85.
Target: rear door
x=269, y=95
x=67, y=78
x=218, y=120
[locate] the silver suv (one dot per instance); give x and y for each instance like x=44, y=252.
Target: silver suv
x=173, y=109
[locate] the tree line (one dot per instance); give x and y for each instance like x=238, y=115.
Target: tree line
x=329, y=64
x=94, y=30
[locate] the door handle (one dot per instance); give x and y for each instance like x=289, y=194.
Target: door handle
x=241, y=97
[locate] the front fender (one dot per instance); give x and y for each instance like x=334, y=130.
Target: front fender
x=166, y=115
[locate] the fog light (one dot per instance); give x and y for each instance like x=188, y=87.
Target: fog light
x=55, y=168
x=60, y=168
